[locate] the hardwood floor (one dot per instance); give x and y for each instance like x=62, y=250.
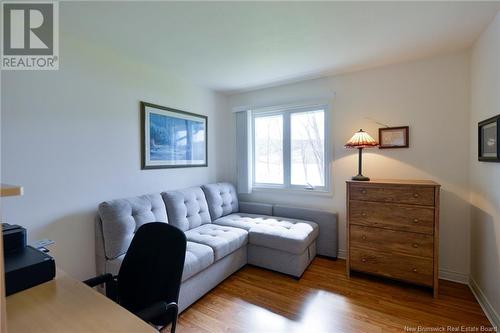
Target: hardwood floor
x=324, y=300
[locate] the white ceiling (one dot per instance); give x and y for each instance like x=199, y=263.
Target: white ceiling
x=235, y=46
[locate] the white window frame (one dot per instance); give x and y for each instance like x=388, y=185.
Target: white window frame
x=286, y=112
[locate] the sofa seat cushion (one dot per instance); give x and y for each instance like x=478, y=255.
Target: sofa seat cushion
x=198, y=257
x=285, y=234
x=223, y=240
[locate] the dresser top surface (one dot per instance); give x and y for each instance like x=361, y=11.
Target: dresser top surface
x=425, y=182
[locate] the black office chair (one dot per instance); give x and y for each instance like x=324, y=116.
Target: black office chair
x=149, y=279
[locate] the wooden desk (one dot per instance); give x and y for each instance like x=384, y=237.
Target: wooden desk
x=67, y=305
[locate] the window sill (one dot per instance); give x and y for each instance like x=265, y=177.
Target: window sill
x=299, y=191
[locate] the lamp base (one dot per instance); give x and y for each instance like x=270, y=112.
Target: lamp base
x=360, y=178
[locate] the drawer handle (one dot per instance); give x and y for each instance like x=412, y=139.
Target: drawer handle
x=363, y=237
x=363, y=214
x=363, y=259
x=415, y=220
x=414, y=270
x=415, y=195
x=363, y=191
x=415, y=245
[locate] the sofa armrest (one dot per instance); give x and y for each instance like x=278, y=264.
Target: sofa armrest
x=100, y=253
x=256, y=208
x=327, y=242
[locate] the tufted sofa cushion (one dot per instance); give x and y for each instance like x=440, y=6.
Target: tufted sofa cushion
x=223, y=240
x=285, y=234
x=186, y=208
x=198, y=257
x=122, y=217
x=222, y=199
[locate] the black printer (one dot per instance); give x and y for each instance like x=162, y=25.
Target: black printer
x=25, y=266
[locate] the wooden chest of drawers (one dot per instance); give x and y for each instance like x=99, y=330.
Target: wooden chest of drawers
x=393, y=230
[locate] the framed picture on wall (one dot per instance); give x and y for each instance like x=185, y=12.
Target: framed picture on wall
x=394, y=137
x=173, y=138
x=487, y=138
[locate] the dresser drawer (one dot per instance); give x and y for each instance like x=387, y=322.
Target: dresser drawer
x=392, y=216
x=390, y=240
x=414, y=195
x=397, y=266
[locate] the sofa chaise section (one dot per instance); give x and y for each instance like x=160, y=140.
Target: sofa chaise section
x=272, y=240
x=327, y=242
x=285, y=234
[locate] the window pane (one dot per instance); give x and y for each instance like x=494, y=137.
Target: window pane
x=308, y=148
x=269, y=149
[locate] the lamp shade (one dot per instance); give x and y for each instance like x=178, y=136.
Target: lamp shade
x=361, y=139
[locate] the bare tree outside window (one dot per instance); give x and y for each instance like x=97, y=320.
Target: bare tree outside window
x=308, y=148
x=269, y=149
x=305, y=164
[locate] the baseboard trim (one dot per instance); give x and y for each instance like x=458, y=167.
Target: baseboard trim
x=342, y=254
x=488, y=309
x=453, y=276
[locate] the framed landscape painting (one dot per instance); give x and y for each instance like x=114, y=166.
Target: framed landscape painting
x=172, y=138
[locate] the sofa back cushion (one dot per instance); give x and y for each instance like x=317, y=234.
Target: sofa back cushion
x=187, y=208
x=122, y=217
x=222, y=199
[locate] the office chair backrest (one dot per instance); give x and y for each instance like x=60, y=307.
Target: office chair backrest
x=152, y=268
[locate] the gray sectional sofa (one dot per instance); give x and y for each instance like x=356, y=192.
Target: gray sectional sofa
x=223, y=234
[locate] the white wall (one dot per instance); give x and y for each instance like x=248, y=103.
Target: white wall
x=72, y=138
x=432, y=97
x=485, y=177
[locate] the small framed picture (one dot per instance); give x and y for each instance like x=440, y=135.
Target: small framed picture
x=394, y=137
x=172, y=138
x=487, y=137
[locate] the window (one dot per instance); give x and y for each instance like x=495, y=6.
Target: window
x=308, y=148
x=290, y=148
x=269, y=149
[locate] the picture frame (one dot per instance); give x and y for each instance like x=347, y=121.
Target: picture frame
x=488, y=132
x=172, y=138
x=394, y=137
